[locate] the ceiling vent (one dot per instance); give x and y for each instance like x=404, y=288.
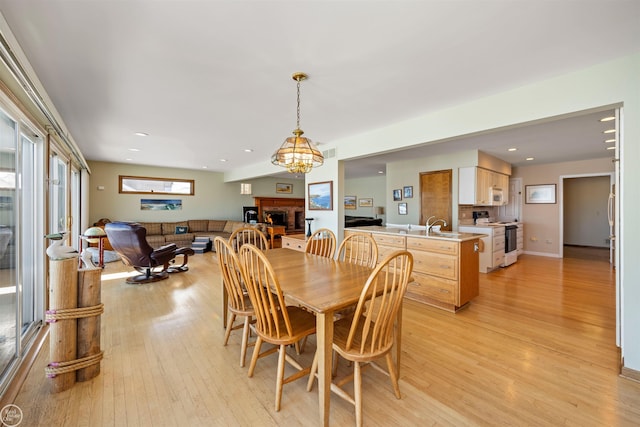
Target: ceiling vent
x=331, y=152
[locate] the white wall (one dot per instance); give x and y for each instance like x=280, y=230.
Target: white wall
x=374, y=188
x=213, y=199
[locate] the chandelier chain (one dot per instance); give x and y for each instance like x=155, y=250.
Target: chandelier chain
x=298, y=110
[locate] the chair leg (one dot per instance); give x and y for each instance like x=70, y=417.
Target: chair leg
x=393, y=375
x=245, y=340
x=357, y=390
x=334, y=363
x=314, y=369
x=227, y=333
x=254, y=358
x=280, y=375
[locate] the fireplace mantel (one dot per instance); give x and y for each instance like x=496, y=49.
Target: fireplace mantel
x=293, y=206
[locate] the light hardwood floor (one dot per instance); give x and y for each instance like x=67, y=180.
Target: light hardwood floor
x=536, y=348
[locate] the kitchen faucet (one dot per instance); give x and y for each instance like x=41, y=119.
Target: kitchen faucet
x=430, y=224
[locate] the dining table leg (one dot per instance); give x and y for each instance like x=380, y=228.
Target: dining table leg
x=324, y=337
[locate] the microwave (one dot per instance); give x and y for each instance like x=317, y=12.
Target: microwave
x=496, y=196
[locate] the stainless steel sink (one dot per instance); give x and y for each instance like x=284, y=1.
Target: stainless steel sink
x=451, y=235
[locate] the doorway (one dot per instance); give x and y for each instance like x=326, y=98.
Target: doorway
x=586, y=218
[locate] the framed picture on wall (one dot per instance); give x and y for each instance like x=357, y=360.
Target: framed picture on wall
x=402, y=208
x=349, y=202
x=321, y=196
x=365, y=202
x=284, y=188
x=397, y=195
x=408, y=191
x=545, y=193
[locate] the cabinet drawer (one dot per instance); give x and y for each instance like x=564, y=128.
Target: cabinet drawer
x=438, y=265
x=295, y=244
x=384, y=251
x=433, y=287
x=498, y=258
x=498, y=231
x=433, y=245
x=389, y=240
x=498, y=244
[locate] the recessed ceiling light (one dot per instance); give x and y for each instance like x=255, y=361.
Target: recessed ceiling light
x=205, y=167
x=607, y=119
x=512, y=149
x=134, y=149
x=529, y=158
x=223, y=160
x=380, y=171
x=609, y=131
x=129, y=160
x=141, y=134
x=613, y=147
x=248, y=150
x=610, y=140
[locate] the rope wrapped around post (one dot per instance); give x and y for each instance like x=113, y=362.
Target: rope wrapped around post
x=56, y=368
x=52, y=316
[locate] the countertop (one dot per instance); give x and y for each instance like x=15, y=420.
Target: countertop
x=444, y=235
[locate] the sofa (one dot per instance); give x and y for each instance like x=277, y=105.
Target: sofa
x=182, y=233
x=360, y=221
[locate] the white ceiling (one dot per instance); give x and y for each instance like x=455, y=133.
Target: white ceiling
x=208, y=79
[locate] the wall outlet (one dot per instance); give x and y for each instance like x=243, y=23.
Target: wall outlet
x=549, y=241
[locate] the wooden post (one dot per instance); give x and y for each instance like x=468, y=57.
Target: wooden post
x=89, y=288
x=63, y=294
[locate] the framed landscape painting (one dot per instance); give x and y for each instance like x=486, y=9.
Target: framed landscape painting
x=284, y=188
x=349, y=202
x=321, y=196
x=545, y=193
x=365, y=202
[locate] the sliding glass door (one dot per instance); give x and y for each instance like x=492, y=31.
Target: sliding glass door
x=21, y=244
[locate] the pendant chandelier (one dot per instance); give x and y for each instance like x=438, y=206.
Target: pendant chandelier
x=298, y=154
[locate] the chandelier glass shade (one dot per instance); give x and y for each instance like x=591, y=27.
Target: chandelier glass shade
x=298, y=154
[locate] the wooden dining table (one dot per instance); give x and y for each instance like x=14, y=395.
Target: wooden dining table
x=323, y=286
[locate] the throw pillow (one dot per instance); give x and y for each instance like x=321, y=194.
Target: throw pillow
x=181, y=230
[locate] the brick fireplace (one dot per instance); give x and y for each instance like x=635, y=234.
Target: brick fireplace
x=280, y=208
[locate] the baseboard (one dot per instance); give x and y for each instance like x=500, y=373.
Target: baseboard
x=547, y=254
x=11, y=392
x=629, y=373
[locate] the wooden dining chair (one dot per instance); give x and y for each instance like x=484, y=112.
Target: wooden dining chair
x=239, y=303
x=322, y=243
x=248, y=235
x=276, y=323
x=359, y=249
x=369, y=334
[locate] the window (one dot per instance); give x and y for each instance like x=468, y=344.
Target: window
x=142, y=185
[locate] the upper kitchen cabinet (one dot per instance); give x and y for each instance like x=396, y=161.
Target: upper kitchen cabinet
x=482, y=187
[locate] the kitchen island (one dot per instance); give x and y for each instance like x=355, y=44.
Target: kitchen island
x=445, y=264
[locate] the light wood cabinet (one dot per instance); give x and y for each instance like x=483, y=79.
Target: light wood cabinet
x=445, y=273
x=492, y=254
x=474, y=184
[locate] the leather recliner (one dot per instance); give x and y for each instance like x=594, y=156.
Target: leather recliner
x=128, y=239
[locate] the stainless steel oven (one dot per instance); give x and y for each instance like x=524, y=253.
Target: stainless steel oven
x=510, y=244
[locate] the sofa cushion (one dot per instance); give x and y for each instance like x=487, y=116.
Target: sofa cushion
x=216, y=225
x=198, y=225
x=232, y=226
x=180, y=239
x=156, y=240
x=170, y=227
x=153, y=228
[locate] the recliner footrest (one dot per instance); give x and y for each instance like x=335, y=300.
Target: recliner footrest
x=185, y=252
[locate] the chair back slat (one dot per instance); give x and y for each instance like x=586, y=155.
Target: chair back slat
x=359, y=249
x=232, y=274
x=272, y=318
x=321, y=243
x=373, y=322
x=250, y=235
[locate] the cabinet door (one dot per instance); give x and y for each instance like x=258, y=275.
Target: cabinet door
x=483, y=182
